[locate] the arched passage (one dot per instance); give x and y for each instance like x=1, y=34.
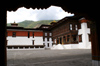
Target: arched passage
x=83, y=8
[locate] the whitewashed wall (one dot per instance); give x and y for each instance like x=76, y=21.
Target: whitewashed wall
x=46, y=43
x=24, y=40
x=19, y=40
x=84, y=31
x=38, y=40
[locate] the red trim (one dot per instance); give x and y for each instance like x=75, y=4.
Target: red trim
x=83, y=21
x=38, y=33
x=25, y=33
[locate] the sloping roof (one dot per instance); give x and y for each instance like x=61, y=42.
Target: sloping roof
x=65, y=19
x=21, y=28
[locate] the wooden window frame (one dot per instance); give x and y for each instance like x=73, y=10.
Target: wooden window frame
x=46, y=34
x=14, y=34
x=68, y=38
x=50, y=34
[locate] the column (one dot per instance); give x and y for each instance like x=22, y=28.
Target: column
x=95, y=39
x=70, y=39
x=56, y=40
x=3, y=42
x=59, y=40
x=66, y=38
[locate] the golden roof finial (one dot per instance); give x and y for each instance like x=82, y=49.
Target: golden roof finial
x=53, y=21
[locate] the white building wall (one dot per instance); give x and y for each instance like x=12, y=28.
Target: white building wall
x=46, y=43
x=84, y=31
x=24, y=40
x=38, y=40
x=19, y=40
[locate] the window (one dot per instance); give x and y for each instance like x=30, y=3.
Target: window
x=74, y=37
x=80, y=38
x=75, y=27
x=14, y=34
x=70, y=26
x=44, y=44
x=50, y=34
x=48, y=44
x=45, y=34
x=68, y=38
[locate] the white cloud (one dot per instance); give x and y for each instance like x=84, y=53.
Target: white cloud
x=52, y=13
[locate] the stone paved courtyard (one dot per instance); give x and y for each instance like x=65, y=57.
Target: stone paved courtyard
x=75, y=57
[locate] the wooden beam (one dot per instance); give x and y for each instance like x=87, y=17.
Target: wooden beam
x=3, y=42
x=95, y=39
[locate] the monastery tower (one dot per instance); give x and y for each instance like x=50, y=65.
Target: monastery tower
x=84, y=34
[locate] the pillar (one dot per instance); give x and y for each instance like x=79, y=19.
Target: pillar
x=66, y=38
x=56, y=40
x=95, y=39
x=59, y=40
x=3, y=42
x=62, y=40
x=70, y=39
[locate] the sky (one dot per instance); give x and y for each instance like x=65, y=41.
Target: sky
x=51, y=13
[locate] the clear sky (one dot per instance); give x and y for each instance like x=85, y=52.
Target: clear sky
x=51, y=13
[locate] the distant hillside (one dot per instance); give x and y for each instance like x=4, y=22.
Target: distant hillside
x=32, y=24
